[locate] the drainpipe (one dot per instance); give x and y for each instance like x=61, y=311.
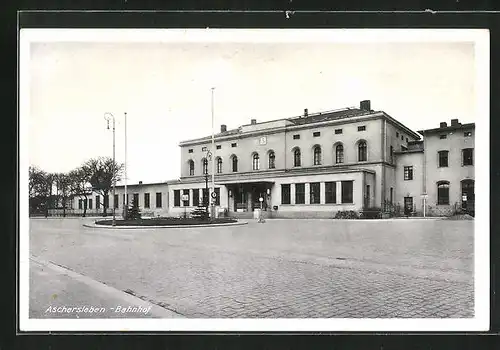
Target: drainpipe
x=384, y=159
x=424, y=178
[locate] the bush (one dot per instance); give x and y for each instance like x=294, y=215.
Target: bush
x=346, y=214
x=371, y=213
x=200, y=213
x=133, y=213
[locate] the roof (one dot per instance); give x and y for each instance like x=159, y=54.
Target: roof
x=448, y=128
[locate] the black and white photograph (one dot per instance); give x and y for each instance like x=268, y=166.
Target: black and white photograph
x=254, y=180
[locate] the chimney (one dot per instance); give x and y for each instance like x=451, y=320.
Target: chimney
x=140, y=182
x=443, y=125
x=253, y=121
x=454, y=122
x=365, y=105
x=306, y=112
x=223, y=128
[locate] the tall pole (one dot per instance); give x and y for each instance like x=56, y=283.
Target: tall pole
x=213, y=156
x=113, y=174
x=125, y=170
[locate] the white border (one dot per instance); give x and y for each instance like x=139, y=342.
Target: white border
x=481, y=253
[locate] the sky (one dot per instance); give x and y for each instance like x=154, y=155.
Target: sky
x=165, y=88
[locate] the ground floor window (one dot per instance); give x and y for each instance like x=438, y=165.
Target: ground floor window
x=314, y=191
x=158, y=200
x=146, y=200
x=90, y=203
x=300, y=191
x=330, y=192
x=443, y=188
x=106, y=201
x=177, y=198
x=97, y=202
x=135, y=199
x=115, y=199
x=347, y=188
x=80, y=204
x=205, y=197
x=196, y=197
x=217, y=196
x=285, y=194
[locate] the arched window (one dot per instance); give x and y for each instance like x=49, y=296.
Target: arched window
x=317, y=155
x=339, y=154
x=296, y=157
x=219, y=165
x=235, y=164
x=205, y=166
x=272, y=159
x=443, y=189
x=255, y=161
x=191, y=167
x=362, y=156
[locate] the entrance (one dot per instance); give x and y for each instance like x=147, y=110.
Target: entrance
x=259, y=190
x=468, y=196
x=245, y=197
x=408, y=202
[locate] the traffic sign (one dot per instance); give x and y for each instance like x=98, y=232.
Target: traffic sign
x=214, y=195
x=185, y=197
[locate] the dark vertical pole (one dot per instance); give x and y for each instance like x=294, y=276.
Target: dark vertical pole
x=205, y=198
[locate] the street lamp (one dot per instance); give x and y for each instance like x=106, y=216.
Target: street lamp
x=213, y=159
x=208, y=157
x=108, y=116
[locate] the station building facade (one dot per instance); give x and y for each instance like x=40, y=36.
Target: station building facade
x=314, y=165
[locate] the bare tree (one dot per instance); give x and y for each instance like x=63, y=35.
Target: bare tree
x=102, y=174
x=40, y=190
x=64, y=190
x=79, y=185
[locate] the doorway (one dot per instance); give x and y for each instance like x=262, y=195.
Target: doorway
x=408, y=206
x=468, y=196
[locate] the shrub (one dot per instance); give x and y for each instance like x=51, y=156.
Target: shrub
x=346, y=214
x=133, y=213
x=200, y=213
x=371, y=213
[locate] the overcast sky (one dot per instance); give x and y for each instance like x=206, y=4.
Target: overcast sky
x=165, y=90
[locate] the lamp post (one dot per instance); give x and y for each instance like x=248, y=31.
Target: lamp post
x=125, y=171
x=213, y=160
x=108, y=116
x=208, y=157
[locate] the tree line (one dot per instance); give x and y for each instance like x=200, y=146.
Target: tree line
x=49, y=190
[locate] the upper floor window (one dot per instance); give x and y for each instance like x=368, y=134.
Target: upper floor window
x=443, y=188
x=204, y=149
x=191, y=167
x=296, y=157
x=338, y=131
x=219, y=165
x=204, y=163
x=235, y=164
x=316, y=134
x=234, y=144
x=397, y=134
x=190, y=150
x=272, y=159
x=443, y=159
x=443, y=136
x=339, y=154
x=362, y=153
x=407, y=139
x=317, y=155
x=296, y=137
x=255, y=162
x=362, y=128
x=218, y=146
x=467, y=134
x=402, y=138
x=408, y=170
x=467, y=156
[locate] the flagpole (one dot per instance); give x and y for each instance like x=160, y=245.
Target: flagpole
x=213, y=156
x=125, y=170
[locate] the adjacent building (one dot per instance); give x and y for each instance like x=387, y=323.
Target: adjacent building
x=316, y=164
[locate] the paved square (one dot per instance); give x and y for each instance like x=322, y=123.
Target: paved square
x=283, y=268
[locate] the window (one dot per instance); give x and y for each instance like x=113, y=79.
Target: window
x=106, y=201
x=219, y=165
x=347, y=187
x=205, y=197
x=185, y=203
x=196, y=197
x=402, y=138
x=407, y=139
x=362, y=128
x=85, y=204
x=272, y=159
x=204, y=149
x=124, y=199
x=296, y=137
x=235, y=164
x=391, y=154
x=255, y=162
x=316, y=134
x=339, y=154
x=338, y=131
x=191, y=167
x=135, y=199
x=408, y=171
x=442, y=137
x=115, y=201
x=97, y=202
x=234, y=144
x=296, y=157
x=285, y=194
x=177, y=198
x=90, y=203
x=467, y=156
x=300, y=195
x=330, y=192
x=158, y=200
x=443, y=193
x=317, y=155
x=443, y=159
x=190, y=150
x=80, y=204
x=362, y=151
x=314, y=193
x=218, y=147
x=397, y=134
x=204, y=163
x=467, y=134
x=217, y=196
x=146, y=200
x=391, y=197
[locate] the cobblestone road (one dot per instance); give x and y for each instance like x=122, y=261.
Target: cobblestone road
x=283, y=268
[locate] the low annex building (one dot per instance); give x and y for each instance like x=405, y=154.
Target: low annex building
x=316, y=164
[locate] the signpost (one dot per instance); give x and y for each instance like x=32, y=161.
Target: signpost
x=261, y=219
x=424, y=197
x=185, y=197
